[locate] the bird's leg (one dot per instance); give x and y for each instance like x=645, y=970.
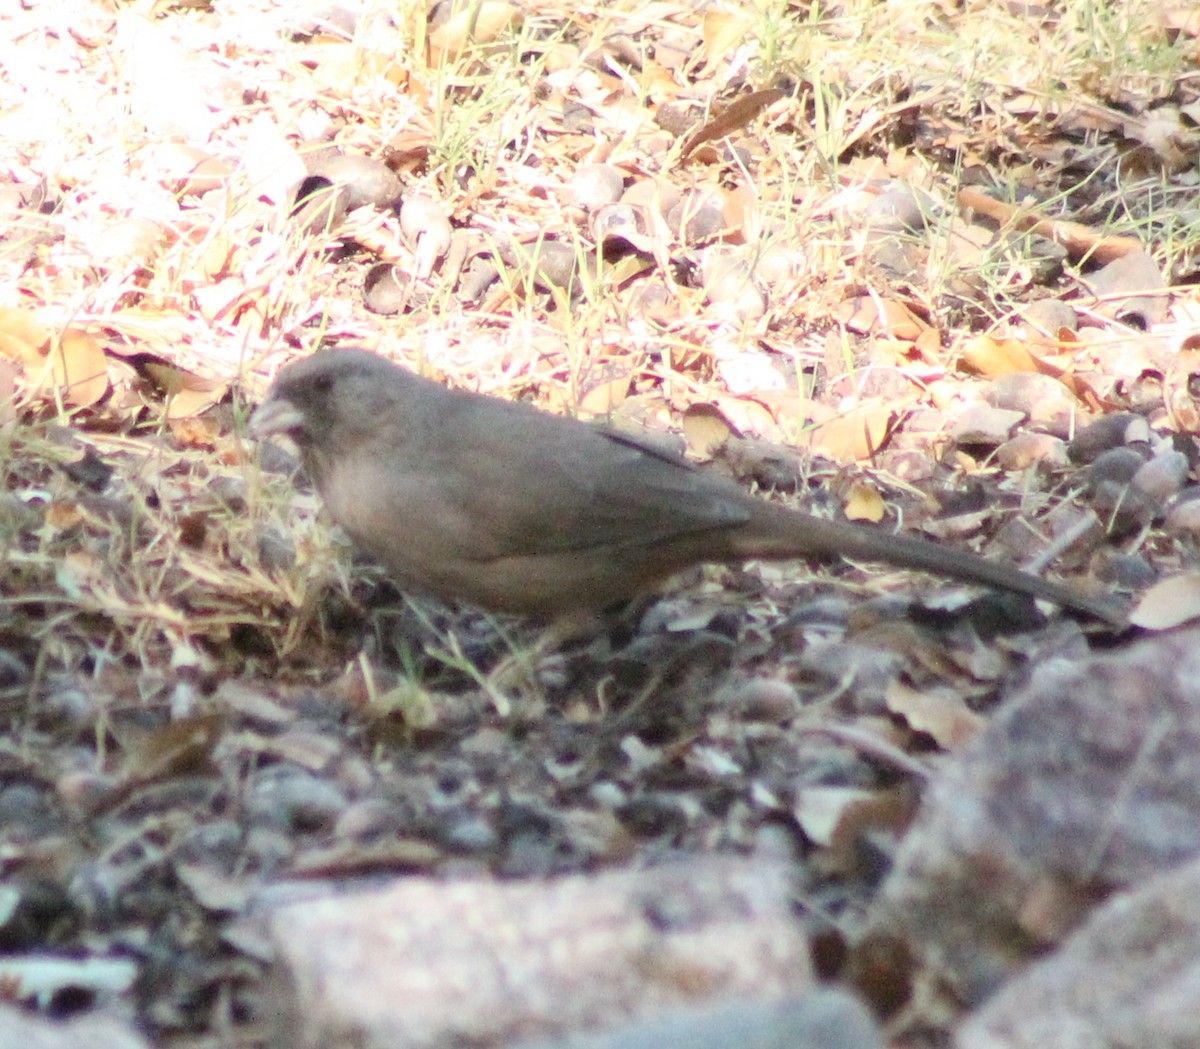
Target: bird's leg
x=526, y=667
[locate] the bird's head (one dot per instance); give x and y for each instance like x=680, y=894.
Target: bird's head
x=330, y=400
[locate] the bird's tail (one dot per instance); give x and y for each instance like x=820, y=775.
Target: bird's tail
x=778, y=533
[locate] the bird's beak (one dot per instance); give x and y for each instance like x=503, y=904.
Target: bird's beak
x=275, y=416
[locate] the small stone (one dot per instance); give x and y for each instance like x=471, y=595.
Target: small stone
x=594, y=185
x=1051, y=316
x=95, y=1029
x=1117, y=465
x=366, y=180
x=765, y=699
x=696, y=217
x=1163, y=476
x=897, y=209
x=1047, y=403
x=367, y=818
x=291, y=799
x=1126, y=571
x=1183, y=518
x=1109, y=431
x=1025, y=449
x=823, y=1019
x=1126, y=978
x=1018, y=835
x=276, y=551
x=983, y=424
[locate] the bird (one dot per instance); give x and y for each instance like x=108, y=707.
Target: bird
x=483, y=501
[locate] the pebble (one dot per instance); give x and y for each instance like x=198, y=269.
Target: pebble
x=293, y=800
x=594, y=185
x=983, y=424
x=367, y=181
x=1025, y=449
x=1109, y=431
x=1047, y=403
x=1183, y=518
x=1126, y=571
x=766, y=699
x=896, y=209
x=1163, y=476
x=1116, y=466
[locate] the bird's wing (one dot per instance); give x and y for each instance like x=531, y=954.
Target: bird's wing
x=537, y=484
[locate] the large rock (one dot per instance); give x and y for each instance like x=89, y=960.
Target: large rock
x=1129, y=977
x=1086, y=782
x=422, y=963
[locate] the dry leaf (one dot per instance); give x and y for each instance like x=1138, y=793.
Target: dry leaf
x=62, y=514
x=1169, y=603
x=880, y=316
x=196, y=433
x=723, y=32
x=186, y=394
x=819, y=810
x=192, y=402
x=864, y=504
x=80, y=368
x=1078, y=239
x=22, y=336
x=992, y=358
x=939, y=712
x=706, y=429
x=76, y=366
x=425, y=224
x=852, y=435
x=479, y=24
x=179, y=747
x=736, y=115
x=601, y=399
x=749, y=372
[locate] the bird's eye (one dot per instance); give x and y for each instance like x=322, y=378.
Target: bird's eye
x=322, y=383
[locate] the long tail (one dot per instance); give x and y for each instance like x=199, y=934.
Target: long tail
x=776, y=532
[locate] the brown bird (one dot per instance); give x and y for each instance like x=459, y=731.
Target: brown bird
x=472, y=498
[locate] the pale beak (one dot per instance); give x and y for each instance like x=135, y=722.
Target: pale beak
x=275, y=416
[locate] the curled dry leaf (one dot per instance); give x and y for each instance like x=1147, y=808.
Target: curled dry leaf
x=425, y=223
x=820, y=810
x=1169, y=603
x=992, y=358
x=723, y=32
x=174, y=749
x=475, y=23
x=603, y=396
x=846, y=436
x=187, y=394
x=75, y=367
x=939, y=712
x=736, y=115
x=864, y=503
x=1078, y=239
x=872, y=314
x=23, y=338
x=386, y=289
x=188, y=170
x=706, y=429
